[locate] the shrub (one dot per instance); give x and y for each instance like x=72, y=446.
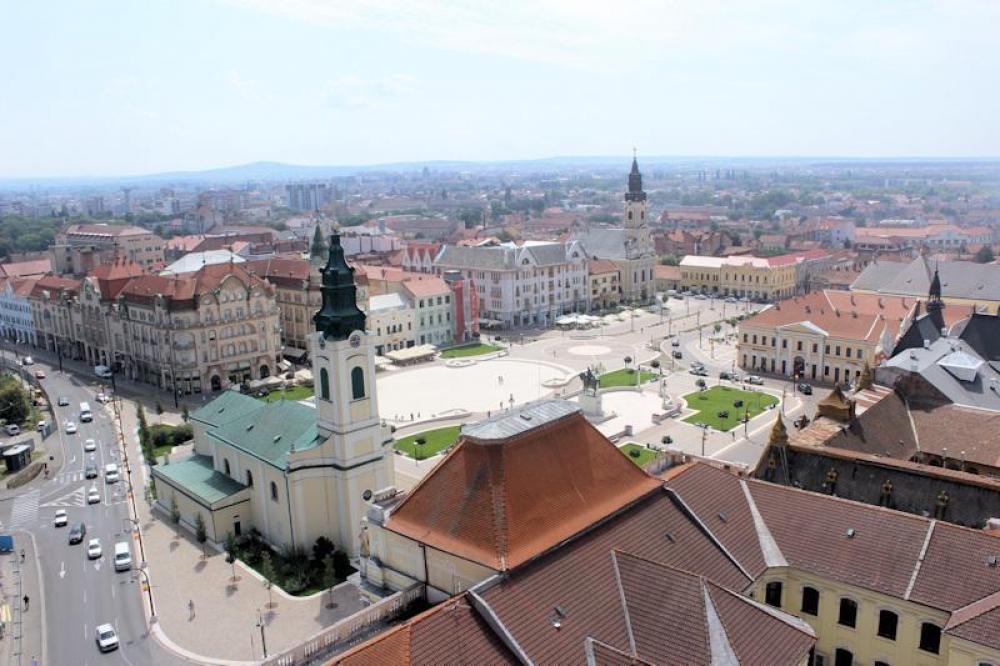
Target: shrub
x=635, y=453
x=175, y=512
x=199, y=528
x=322, y=549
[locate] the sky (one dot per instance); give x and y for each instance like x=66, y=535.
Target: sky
x=109, y=87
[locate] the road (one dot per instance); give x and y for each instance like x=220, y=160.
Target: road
x=81, y=593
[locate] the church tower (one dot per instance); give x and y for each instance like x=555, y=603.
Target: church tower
x=935, y=305
x=638, y=241
x=356, y=446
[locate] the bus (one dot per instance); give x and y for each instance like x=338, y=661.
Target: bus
x=86, y=416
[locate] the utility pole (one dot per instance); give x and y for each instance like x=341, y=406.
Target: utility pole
x=704, y=436
x=263, y=641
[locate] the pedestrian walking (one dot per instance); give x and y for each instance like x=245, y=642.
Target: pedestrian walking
x=22, y=554
x=191, y=607
x=26, y=600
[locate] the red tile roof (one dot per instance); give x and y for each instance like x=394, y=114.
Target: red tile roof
x=598, y=266
x=28, y=268
x=109, y=230
x=427, y=286
x=501, y=503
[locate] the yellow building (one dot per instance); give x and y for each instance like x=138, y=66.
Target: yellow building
x=768, y=278
x=605, y=285
x=292, y=471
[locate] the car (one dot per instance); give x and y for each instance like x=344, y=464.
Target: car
x=61, y=518
x=94, y=550
x=90, y=471
x=677, y=353
x=103, y=398
x=70, y=428
x=725, y=374
x=93, y=495
x=107, y=639
x=730, y=300
x=111, y=474
x=42, y=425
x=63, y=401
x=675, y=343
x=754, y=379
x=77, y=532
x=39, y=374
x=701, y=297
x=123, y=556
x=12, y=429
x=805, y=389
x=679, y=297
x=699, y=372
x=89, y=445
x=28, y=360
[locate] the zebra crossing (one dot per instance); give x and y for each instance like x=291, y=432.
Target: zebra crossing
x=25, y=510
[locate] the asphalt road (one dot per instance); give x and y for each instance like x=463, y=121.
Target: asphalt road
x=80, y=593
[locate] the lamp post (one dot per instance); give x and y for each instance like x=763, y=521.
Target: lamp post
x=263, y=640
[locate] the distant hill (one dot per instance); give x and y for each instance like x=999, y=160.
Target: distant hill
x=278, y=171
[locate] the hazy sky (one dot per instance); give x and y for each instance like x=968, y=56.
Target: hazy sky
x=100, y=87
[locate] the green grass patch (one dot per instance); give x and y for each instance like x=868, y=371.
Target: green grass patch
x=470, y=350
x=638, y=453
x=722, y=398
x=298, y=392
x=625, y=377
x=434, y=441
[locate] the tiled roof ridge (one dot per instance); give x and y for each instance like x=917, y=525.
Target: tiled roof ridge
x=789, y=619
x=693, y=517
x=499, y=496
x=623, y=600
x=720, y=650
x=920, y=559
x=773, y=557
x=493, y=621
x=973, y=610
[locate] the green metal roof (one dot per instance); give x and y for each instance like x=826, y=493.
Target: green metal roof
x=229, y=405
x=269, y=432
x=196, y=476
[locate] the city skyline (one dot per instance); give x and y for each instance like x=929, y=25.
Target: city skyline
x=178, y=86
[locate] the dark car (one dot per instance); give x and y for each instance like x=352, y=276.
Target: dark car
x=90, y=471
x=805, y=389
x=725, y=374
x=677, y=353
x=77, y=532
x=675, y=343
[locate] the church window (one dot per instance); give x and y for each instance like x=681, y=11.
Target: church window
x=324, y=384
x=630, y=215
x=358, y=383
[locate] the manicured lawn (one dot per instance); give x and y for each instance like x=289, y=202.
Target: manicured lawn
x=625, y=377
x=644, y=456
x=435, y=442
x=299, y=392
x=470, y=350
x=718, y=398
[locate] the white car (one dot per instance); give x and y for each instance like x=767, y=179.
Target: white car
x=70, y=428
x=94, y=550
x=111, y=474
x=103, y=398
x=107, y=639
x=93, y=495
x=28, y=360
x=754, y=379
x=61, y=519
x=90, y=445
x=63, y=401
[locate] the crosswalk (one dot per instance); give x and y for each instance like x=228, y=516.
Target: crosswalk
x=70, y=477
x=25, y=510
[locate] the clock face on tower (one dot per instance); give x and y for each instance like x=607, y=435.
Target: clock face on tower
x=355, y=340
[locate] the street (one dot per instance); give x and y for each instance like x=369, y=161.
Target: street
x=81, y=593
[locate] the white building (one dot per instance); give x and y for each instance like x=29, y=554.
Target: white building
x=390, y=323
x=522, y=285
x=16, y=322
x=430, y=300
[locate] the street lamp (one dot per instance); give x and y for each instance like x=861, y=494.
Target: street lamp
x=263, y=641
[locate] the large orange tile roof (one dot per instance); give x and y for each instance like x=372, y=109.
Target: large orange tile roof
x=502, y=501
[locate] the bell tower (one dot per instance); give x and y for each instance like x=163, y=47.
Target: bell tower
x=356, y=445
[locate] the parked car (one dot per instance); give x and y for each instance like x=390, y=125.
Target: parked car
x=28, y=360
x=701, y=297
x=677, y=353
x=675, y=343
x=699, y=372
x=103, y=398
x=12, y=429
x=107, y=639
x=725, y=374
x=39, y=374
x=754, y=379
x=805, y=389
x=730, y=300
x=42, y=425
x=77, y=532
x=61, y=518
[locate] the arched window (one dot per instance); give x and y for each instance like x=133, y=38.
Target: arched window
x=274, y=491
x=843, y=657
x=249, y=479
x=810, y=600
x=225, y=465
x=324, y=384
x=930, y=637
x=887, y=623
x=772, y=594
x=358, y=383
x=848, y=616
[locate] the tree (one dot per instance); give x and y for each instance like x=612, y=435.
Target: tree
x=985, y=255
x=669, y=260
x=231, y=553
x=717, y=327
x=329, y=576
x=700, y=384
x=159, y=411
x=200, y=535
x=865, y=378
x=14, y=404
x=175, y=512
x=267, y=573
x=185, y=414
x=322, y=549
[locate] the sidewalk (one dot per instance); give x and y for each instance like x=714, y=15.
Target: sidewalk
x=224, y=623
x=24, y=634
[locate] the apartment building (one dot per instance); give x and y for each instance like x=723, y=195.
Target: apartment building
x=297, y=293
x=605, y=284
x=433, y=310
x=16, y=322
x=744, y=276
x=82, y=247
x=522, y=285
x=390, y=322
